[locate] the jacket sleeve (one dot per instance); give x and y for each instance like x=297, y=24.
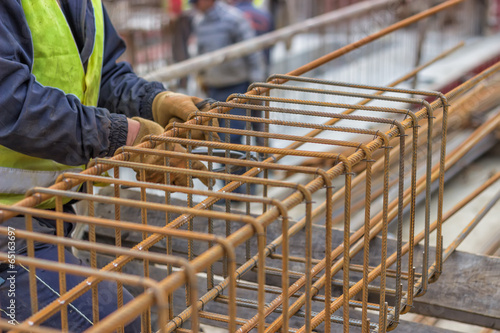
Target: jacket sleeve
x=122, y=91
x=42, y=121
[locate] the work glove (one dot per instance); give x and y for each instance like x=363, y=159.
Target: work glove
x=149, y=127
x=170, y=107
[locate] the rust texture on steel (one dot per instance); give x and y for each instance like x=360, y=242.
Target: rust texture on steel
x=259, y=247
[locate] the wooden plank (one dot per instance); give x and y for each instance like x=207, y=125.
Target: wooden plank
x=405, y=326
x=468, y=291
x=411, y=327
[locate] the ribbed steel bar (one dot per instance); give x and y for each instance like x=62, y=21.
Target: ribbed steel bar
x=453, y=157
x=466, y=85
x=154, y=230
x=415, y=135
x=484, y=74
x=186, y=171
x=347, y=209
x=220, y=195
x=467, y=230
x=88, y=245
x=450, y=160
x=445, y=105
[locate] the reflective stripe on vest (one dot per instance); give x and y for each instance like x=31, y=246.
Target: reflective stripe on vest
x=16, y=181
x=56, y=63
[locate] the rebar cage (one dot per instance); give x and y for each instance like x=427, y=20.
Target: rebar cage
x=272, y=243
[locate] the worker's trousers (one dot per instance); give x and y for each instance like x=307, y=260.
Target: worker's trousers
x=15, y=288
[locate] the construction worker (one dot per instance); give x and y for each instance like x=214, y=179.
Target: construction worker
x=64, y=100
x=260, y=20
x=218, y=25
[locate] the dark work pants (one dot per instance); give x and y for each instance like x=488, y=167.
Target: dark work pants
x=79, y=310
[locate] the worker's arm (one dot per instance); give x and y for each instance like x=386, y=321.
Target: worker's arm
x=42, y=121
x=122, y=91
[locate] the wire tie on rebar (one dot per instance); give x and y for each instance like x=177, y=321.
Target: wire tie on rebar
x=198, y=119
x=407, y=113
x=202, y=304
x=219, y=289
x=175, y=130
x=254, y=261
x=402, y=135
x=68, y=183
x=177, y=324
x=192, y=115
x=410, y=305
x=376, y=134
x=128, y=155
x=38, y=197
x=393, y=123
x=151, y=141
x=98, y=167
x=120, y=150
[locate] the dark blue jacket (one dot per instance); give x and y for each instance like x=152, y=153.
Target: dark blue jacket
x=65, y=130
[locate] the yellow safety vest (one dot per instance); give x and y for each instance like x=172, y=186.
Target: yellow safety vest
x=57, y=64
x=258, y=3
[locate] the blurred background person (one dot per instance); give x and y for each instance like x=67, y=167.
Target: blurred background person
x=260, y=20
x=217, y=25
x=181, y=20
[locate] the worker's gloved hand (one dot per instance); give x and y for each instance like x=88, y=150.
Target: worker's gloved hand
x=170, y=107
x=149, y=127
